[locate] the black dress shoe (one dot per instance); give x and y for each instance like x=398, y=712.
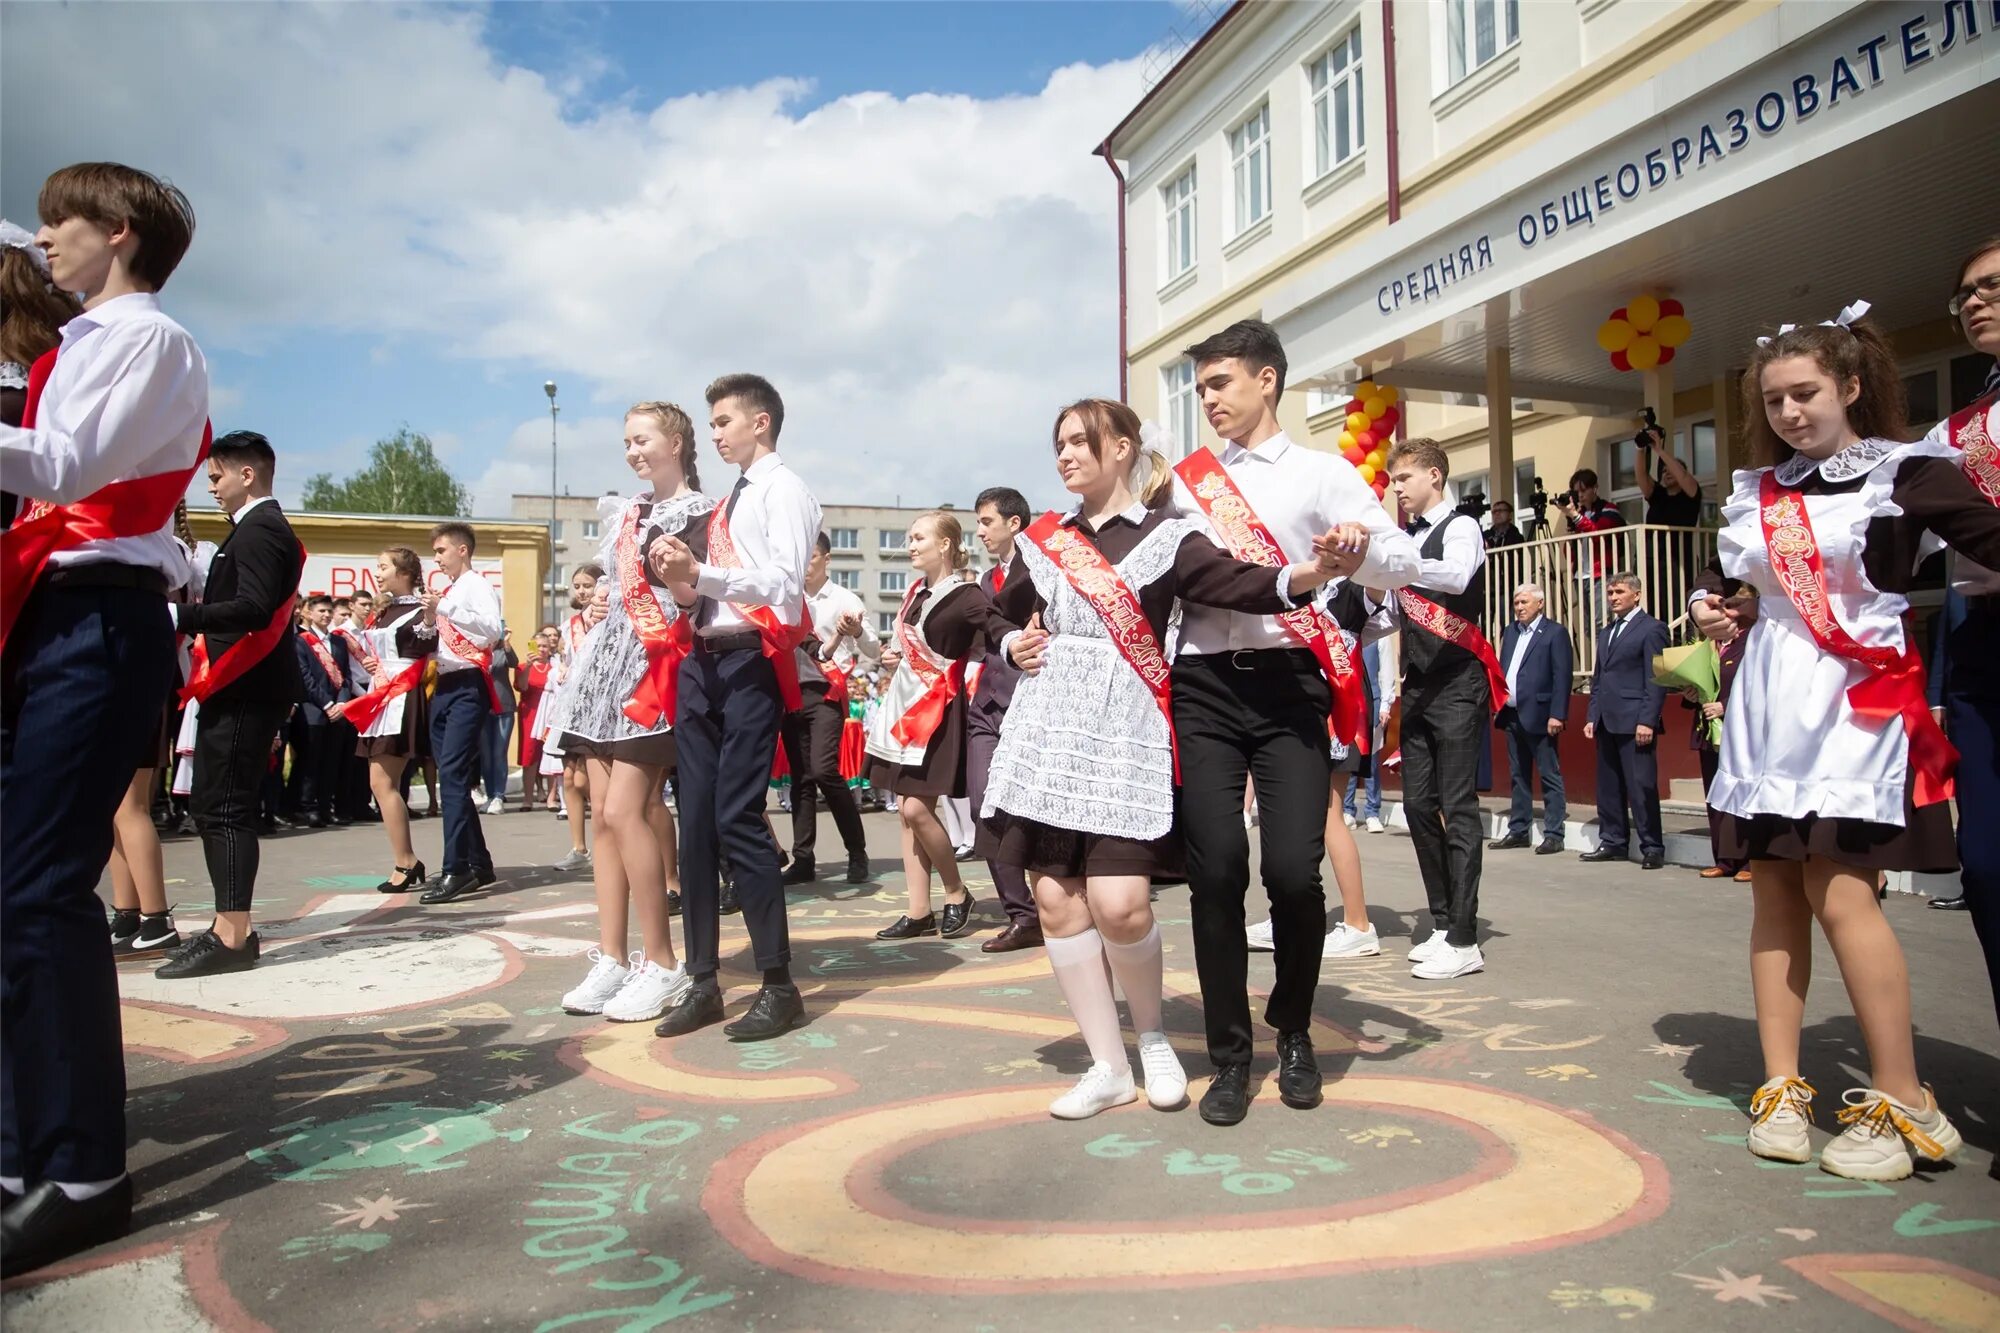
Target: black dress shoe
x=1548, y=846
x=412, y=878
x=673, y=904
x=207, y=956
x=775, y=1011
x=45, y=1225
x=1606, y=854
x=342, y=821
x=1298, y=1072
x=485, y=875
x=801, y=871
x=1021, y=933
x=1227, y=1100
x=956, y=917
x=726, y=902
x=857, y=869
x=450, y=888
x=1508, y=843
x=267, y=826
x=701, y=1006
x=1652, y=860
x=906, y=929
x=315, y=821
x=1957, y=904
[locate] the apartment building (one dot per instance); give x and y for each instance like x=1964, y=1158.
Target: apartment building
x=1452, y=196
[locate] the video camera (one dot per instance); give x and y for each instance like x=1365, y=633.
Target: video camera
x=1474, y=505
x=1643, y=441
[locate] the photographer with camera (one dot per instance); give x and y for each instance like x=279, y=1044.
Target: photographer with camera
x=1587, y=511
x=1673, y=500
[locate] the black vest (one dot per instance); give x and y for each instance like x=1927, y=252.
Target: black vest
x=1424, y=653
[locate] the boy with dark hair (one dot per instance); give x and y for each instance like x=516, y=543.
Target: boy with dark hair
x=465, y=621
x=111, y=435
x=841, y=638
x=1002, y=512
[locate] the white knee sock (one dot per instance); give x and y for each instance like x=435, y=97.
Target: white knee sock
x=1078, y=961
x=1138, y=966
x=13, y=1185
x=88, y=1189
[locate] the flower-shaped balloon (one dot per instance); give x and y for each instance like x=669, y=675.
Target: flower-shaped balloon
x=1644, y=333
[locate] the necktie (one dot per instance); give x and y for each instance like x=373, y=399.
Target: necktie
x=999, y=577
x=735, y=494
x=1617, y=628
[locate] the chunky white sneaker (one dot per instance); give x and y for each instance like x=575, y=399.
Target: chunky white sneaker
x=1450, y=961
x=607, y=975
x=1101, y=1088
x=496, y=806
x=1349, y=820
x=1432, y=943
x=574, y=859
x=1166, y=1081
x=1344, y=941
x=1780, y=1112
x=1259, y=936
x=1375, y=824
x=1881, y=1132
x=648, y=992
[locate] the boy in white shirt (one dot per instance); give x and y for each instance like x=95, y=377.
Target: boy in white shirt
x=465, y=620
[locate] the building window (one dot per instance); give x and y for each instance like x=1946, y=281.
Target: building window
x=1183, y=406
x=1336, y=100
x=895, y=580
x=1250, y=159
x=849, y=579
x=1478, y=30
x=1700, y=451
x=590, y=528
x=556, y=575
x=892, y=539
x=1323, y=400
x=555, y=529
x=845, y=539
x=1177, y=202
x=1471, y=484
x=885, y=623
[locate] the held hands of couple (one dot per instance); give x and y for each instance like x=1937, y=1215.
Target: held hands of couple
x=1030, y=646
x=1339, y=551
x=671, y=560
x=430, y=601
x=848, y=626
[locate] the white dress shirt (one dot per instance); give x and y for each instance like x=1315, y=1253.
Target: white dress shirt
x=128, y=397
x=1463, y=555
x=1297, y=493
x=774, y=527
x=827, y=606
x=1521, y=645
x=473, y=608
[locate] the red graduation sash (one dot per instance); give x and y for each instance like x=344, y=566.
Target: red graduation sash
x=454, y=638
x=206, y=675
x=941, y=680
x=326, y=662
x=364, y=710
x=1894, y=686
x=779, y=639
x=575, y=630
x=1426, y=615
x=1981, y=454
x=1250, y=541
x=130, y=508
x=1096, y=580
x=666, y=642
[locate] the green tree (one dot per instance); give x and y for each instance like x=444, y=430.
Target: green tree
x=403, y=476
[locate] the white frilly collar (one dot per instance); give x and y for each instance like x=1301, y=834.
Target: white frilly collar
x=1856, y=460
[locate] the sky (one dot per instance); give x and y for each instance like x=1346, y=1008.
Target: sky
x=415, y=215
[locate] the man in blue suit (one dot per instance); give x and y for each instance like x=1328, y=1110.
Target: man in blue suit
x=1539, y=660
x=324, y=670
x=1625, y=722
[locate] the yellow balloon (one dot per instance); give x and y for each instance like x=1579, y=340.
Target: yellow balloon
x=1357, y=422
x=1365, y=390
x=1374, y=407
x=1643, y=312
x=1346, y=439
x=1376, y=459
x=1367, y=471
x=1673, y=330
x=1614, y=335
x=1388, y=393
x=1644, y=353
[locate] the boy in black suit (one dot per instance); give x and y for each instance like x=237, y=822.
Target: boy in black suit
x=1625, y=722
x=250, y=683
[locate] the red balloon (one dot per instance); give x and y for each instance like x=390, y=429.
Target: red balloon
x=1620, y=362
x=1669, y=306
x=1387, y=421
x=1666, y=355
x=1354, y=454
x=1619, y=313
x=1364, y=441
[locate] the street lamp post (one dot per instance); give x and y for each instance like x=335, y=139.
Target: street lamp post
x=549, y=388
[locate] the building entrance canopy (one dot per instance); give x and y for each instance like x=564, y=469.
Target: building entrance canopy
x=1777, y=179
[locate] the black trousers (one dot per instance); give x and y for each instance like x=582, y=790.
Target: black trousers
x=232, y=755
x=727, y=732
x=1445, y=724
x=460, y=707
x=1628, y=774
x=812, y=748
x=1263, y=715
x=1529, y=752
x=982, y=735
x=86, y=670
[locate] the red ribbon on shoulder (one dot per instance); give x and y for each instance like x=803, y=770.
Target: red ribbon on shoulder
x=131, y=508
x=207, y=675
x=779, y=639
x=667, y=642
x=942, y=680
x=1454, y=629
x=1894, y=686
x=1981, y=453
x=363, y=710
x=456, y=639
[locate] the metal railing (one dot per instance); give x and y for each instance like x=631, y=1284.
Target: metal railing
x=1572, y=570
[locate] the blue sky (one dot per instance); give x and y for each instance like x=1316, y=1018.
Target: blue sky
x=416, y=215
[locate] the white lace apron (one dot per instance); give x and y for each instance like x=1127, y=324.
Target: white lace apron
x=904, y=687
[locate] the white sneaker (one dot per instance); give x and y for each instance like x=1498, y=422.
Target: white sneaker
x=647, y=993
x=1450, y=961
x=1344, y=941
x=1780, y=1112
x=1881, y=1132
x=607, y=975
x=1259, y=936
x=1101, y=1088
x=573, y=859
x=1350, y=820
x=1166, y=1081
x=1432, y=943
x=496, y=806
x=1375, y=824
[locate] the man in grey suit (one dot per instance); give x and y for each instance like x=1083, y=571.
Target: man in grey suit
x=1539, y=661
x=1625, y=721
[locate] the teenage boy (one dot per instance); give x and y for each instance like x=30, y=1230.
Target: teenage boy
x=465, y=621
x=841, y=639
x=1001, y=512
x=323, y=670
x=748, y=605
x=245, y=632
x=1451, y=684
x=110, y=444
x=1251, y=698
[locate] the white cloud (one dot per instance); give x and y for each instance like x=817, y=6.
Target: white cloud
x=925, y=278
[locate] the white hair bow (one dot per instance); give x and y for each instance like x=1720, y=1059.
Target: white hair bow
x=1153, y=439
x=17, y=238
x=1845, y=319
